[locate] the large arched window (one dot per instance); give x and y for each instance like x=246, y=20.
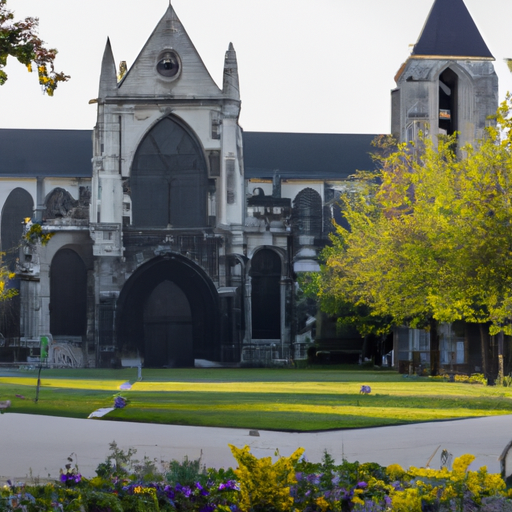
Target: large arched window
x=266, y=295
x=448, y=102
x=307, y=213
x=18, y=206
x=68, y=294
x=169, y=179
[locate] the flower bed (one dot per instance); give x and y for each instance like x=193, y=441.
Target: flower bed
x=290, y=484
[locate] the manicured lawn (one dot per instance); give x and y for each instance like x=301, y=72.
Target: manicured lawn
x=286, y=399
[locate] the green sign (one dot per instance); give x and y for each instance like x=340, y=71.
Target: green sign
x=44, y=347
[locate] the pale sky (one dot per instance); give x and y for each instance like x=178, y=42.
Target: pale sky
x=323, y=66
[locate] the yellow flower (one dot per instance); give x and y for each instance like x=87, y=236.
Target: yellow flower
x=407, y=500
x=322, y=503
x=461, y=464
x=356, y=499
x=263, y=483
x=395, y=471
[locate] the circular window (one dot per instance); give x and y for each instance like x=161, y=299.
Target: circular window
x=169, y=64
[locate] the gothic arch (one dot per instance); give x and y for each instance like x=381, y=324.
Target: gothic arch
x=455, y=99
x=18, y=206
x=169, y=178
x=307, y=213
x=68, y=294
x=266, y=271
x=168, y=312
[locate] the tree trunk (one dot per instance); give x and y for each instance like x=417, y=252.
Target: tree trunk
x=500, y=357
x=484, y=344
x=434, y=348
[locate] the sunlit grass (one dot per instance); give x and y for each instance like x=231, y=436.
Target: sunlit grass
x=298, y=400
x=65, y=383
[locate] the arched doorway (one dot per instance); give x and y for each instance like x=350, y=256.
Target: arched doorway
x=169, y=179
x=168, y=338
x=266, y=295
x=68, y=294
x=168, y=313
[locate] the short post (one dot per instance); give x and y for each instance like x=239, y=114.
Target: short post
x=43, y=356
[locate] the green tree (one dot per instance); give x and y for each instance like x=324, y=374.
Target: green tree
x=430, y=235
x=19, y=39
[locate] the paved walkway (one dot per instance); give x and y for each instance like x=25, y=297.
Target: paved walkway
x=41, y=444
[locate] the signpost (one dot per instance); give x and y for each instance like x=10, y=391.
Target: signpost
x=42, y=358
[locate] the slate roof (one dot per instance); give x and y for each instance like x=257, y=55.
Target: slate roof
x=450, y=31
x=51, y=153
x=306, y=155
x=68, y=153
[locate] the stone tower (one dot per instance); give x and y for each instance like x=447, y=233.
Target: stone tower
x=448, y=83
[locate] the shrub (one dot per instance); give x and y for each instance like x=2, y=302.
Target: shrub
x=265, y=486
x=477, y=378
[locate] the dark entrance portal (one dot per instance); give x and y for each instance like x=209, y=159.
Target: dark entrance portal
x=168, y=313
x=68, y=294
x=168, y=339
x=266, y=298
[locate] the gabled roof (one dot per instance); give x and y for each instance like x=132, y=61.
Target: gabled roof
x=330, y=156
x=68, y=153
x=194, y=80
x=50, y=153
x=451, y=32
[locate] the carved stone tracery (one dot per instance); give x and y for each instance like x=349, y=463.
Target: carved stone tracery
x=59, y=203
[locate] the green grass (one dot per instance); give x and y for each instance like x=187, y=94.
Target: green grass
x=286, y=399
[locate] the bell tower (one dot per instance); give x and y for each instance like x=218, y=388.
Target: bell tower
x=448, y=83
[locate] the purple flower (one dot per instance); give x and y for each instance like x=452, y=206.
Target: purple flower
x=70, y=478
x=362, y=485
x=313, y=479
x=169, y=491
x=119, y=402
x=230, y=485
x=201, y=489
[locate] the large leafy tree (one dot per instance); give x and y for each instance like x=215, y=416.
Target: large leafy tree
x=430, y=235
x=19, y=39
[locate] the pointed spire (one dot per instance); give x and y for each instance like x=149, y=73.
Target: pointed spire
x=451, y=32
x=108, y=77
x=231, y=85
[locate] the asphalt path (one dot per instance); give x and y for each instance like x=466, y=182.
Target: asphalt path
x=33, y=446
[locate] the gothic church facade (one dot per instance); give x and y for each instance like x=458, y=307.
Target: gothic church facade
x=177, y=237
